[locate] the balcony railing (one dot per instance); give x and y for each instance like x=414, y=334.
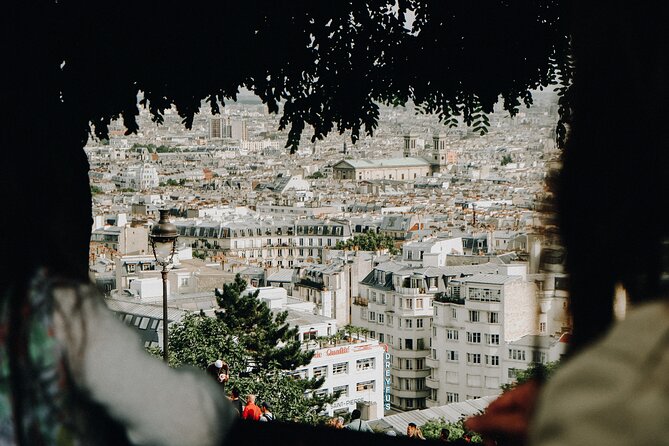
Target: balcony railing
x=432, y=383
x=311, y=284
x=446, y=299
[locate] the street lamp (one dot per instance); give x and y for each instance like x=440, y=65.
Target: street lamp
x=163, y=242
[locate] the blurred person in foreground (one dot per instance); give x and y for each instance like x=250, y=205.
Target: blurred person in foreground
x=72, y=373
x=613, y=386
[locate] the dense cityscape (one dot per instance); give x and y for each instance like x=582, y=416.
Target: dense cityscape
x=415, y=262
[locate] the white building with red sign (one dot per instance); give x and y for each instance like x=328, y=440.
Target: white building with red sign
x=353, y=369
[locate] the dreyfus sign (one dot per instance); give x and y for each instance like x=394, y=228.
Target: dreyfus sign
x=386, y=379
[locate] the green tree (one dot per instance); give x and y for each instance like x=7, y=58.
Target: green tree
x=316, y=175
x=198, y=340
x=432, y=430
x=369, y=241
x=535, y=370
x=506, y=159
x=266, y=336
x=260, y=347
x=95, y=189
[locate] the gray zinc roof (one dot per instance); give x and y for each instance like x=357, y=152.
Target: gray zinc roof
x=450, y=412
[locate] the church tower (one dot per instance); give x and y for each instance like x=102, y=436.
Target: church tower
x=409, y=144
x=439, y=153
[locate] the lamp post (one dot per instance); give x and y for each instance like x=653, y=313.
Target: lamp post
x=163, y=242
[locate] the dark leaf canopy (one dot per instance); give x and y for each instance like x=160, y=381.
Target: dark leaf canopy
x=322, y=64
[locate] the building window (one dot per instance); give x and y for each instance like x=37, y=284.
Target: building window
x=492, y=339
x=452, y=397
x=340, y=368
x=484, y=295
x=474, y=316
x=539, y=357
x=473, y=338
x=492, y=360
x=512, y=373
x=372, y=316
x=340, y=390
x=517, y=354
x=419, y=303
x=381, y=318
x=309, y=335
x=381, y=337
x=473, y=358
x=408, y=364
x=451, y=334
x=408, y=343
x=390, y=320
x=434, y=353
x=542, y=327
x=320, y=371
x=365, y=385
x=365, y=364
x=451, y=355
x=408, y=323
x=454, y=313
x=302, y=373
x=420, y=364
x=493, y=317
x=474, y=380
x=419, y=323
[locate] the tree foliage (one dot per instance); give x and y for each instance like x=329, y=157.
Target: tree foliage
x=260, y=348
x=266, y=336
x=316, y=175
x=369, y=241
x=432, y=430
x=534, y=371
x=319, y=64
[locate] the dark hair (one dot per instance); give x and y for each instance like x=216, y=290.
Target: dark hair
x=266, y=405
x=412, y=424
x=445, y=432
x=355, y=414
x=606, y=192
x=235, y=391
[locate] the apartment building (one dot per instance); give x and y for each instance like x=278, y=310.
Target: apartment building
x=481, y=326
x=353, y=369
x=431, y=251
x=395, y=304
x=272, y=243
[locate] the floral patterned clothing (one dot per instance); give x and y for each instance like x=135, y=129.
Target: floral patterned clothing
x=84, y=370
x=45, y=416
